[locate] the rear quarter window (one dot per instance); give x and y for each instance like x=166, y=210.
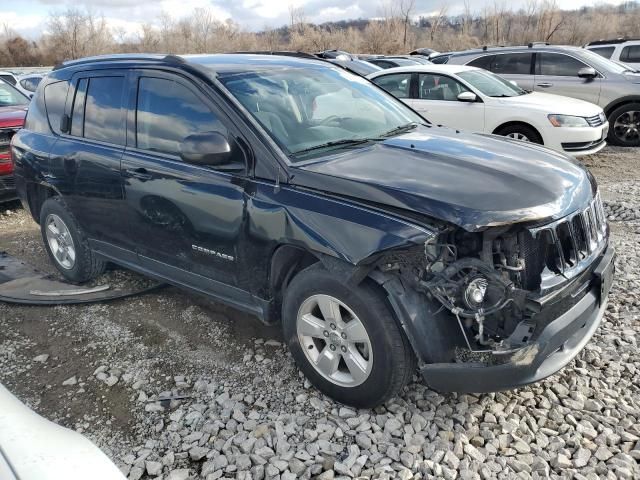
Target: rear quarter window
x=55, y=96
x=605, y=52
x=36, y=120
x=482, y=62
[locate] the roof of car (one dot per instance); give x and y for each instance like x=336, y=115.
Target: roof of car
x=220, y=63
x=499, y=48
x=613, y=41
x=451, y=69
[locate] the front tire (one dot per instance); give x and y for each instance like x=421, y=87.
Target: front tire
x=521, y=132
x=66, y=244
x=624, y=126
x=345, y=339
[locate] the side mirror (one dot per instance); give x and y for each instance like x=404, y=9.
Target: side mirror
x=207, y=148
x=467, y=97
x=587, y=72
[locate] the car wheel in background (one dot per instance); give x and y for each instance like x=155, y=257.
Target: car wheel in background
x=624, y=125
x=521, y=132
x=345, y=339
x=66, y=244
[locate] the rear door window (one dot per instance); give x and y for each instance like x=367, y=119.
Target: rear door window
x=558, y=65
x=605, y=52
x=630, y=53
x=167, y=112
x=104, y=118
x=512, y=64
x=397, y=84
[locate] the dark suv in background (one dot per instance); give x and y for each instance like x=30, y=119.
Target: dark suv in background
x=569, y=71
x=297, y=191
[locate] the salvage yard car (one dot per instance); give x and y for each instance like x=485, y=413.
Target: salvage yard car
x=13, y=108
x=568, y=71
x=378, y=240
x=473, y=99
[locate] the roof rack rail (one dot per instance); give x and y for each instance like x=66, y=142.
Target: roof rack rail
x=286, y=53
x=533, y=44
x=486, y=47
x=603, y=41
x=118, y=57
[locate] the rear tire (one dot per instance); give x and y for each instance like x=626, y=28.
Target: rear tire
x=361, y=359
x=66, y=243
x=521, y=132
x=624, y=126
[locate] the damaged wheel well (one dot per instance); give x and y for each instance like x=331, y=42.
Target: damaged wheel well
x=286, y=262
x=37, y=194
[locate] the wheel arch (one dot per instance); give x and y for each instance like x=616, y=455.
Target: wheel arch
x=37, y=194
x=513, y=123
x=619, y=102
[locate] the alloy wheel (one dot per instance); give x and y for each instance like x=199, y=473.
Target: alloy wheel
x=518, y=136
x=627, y=126
x=334, y=340
x=60, y=242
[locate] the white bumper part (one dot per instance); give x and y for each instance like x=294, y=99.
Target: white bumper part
x=33, y=448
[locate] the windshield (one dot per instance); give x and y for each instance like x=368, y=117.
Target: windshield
x=311, y=108
x=603, y=64
x=490, y=84
x=9, y=96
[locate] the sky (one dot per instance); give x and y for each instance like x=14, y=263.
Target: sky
x=28, y=17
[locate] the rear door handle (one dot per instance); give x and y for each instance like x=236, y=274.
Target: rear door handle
x=141, y=174
x=545, y=84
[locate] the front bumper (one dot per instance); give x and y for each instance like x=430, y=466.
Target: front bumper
x=578, y=141
x=7, y=188
x=558, y=343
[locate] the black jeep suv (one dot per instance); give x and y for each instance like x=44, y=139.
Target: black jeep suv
x=301, y=193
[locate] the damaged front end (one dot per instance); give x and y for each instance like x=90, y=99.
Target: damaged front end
x=508, y=306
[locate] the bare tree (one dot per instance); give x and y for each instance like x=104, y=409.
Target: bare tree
x=438, y=22
x=406, y=11
x=74, y=33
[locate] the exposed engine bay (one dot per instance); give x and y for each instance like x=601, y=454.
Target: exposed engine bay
x=481, y=279
x=489, y=281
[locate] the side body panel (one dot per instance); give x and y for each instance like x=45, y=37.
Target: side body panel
x=86, y=172
x=287, y=215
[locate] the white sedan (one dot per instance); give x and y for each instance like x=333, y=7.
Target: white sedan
x=474, y=99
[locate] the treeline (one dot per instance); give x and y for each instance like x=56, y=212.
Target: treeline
x=76, y=33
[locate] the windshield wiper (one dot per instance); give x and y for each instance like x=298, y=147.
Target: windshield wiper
x=400, y=129
x=502, y=95
x=335, y=143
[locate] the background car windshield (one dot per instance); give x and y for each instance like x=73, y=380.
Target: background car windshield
x=10, y=96
x=490, y=84
x=601, y=63
x=303, y=108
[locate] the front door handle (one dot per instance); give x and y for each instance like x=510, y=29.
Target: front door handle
x=141, y=174
x=545, y=85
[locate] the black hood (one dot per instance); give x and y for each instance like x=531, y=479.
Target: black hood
x=472, y=181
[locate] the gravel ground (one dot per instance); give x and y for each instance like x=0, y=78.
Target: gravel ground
x=172, y=386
